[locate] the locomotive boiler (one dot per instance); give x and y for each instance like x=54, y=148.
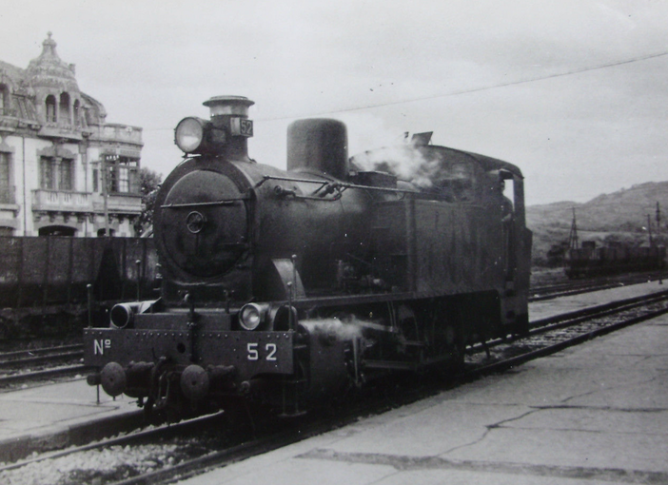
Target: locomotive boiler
x=290, y=286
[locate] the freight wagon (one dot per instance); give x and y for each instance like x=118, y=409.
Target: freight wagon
x=590, y=261
x=50, y=276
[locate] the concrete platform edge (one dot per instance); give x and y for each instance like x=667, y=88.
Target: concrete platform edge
x=60, y=437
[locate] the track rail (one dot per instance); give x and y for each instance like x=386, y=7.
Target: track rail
x=41, y=359
x=19, y=354
x=549, y=292
x=38, y=375
x=572, y=328
x=33, y=365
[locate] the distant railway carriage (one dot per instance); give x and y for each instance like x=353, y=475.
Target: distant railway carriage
x=590, y=261
x=289, y=286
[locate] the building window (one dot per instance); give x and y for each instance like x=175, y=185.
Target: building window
x=4, y=100
x=6, y=187
x=51, y=109
x=64, y=108
x=47, y=173
x=96, y=180
x=123, y=181
x=56, y=174
x=65, y=174
x=123, y=174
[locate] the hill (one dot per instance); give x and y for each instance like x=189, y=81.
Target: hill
x=619, y=216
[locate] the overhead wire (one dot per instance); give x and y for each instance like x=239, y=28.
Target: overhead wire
x=482, y=88
x=462, y=91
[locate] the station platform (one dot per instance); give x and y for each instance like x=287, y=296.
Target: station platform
x=593, y=414
x=543, y=405
x=53, y=416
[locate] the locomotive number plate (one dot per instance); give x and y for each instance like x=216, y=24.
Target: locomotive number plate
x=257, y=351
x=263, y=352
x=241, y=127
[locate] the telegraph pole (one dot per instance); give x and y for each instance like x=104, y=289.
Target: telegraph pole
x=658, y=237
x=573, y=240
x=105, y=190
x=658, y=222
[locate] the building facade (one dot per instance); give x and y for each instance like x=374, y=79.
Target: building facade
x=63, y=169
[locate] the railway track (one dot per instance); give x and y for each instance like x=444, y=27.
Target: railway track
x=549, y=335
x=33, y=365
x=40, y=356
x=185, y=450
x=26, y=367
x=549, y=292
x=22, y=368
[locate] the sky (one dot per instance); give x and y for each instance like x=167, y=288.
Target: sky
x=574, y=92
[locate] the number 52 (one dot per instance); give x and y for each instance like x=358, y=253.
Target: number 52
x=254, y=354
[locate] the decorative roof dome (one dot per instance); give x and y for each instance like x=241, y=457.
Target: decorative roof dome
x=48, y=70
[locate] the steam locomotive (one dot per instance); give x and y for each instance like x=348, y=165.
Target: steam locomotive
x=289, y=287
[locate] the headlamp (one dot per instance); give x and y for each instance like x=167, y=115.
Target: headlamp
x=252, y=315
x=189, y=134
x=195, y=135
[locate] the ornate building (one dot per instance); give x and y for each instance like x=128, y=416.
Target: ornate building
x=63, y=169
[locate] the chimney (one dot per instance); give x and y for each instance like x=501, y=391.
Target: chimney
x=230, y=113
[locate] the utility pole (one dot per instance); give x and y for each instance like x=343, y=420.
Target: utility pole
x=573, y=240
x=660, y=242
x=658, y=222
x=105, y=189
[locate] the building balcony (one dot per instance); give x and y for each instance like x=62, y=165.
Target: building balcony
x=61, y=130
x=62, y=201
x=119, y=203
x=122, y=134
x=67, y=201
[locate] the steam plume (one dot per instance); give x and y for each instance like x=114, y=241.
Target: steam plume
x=407, y=163
x=349, y=330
